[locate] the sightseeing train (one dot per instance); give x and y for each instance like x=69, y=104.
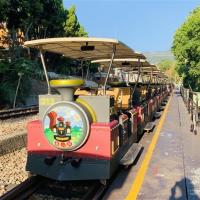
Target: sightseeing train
x=86, y=133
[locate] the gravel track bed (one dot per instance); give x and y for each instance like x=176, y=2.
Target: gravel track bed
x=15, y=124
x=49, y=197
x=12, y=170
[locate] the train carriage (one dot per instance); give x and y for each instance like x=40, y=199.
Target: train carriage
x=86, y=133
x=79, y=137
x=136, y=79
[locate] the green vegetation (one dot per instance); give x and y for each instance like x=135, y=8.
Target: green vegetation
x=72, y=27
x=9, y=78
x=28, y=20
x=169, y=67
x=186, y=49
x=165, y=65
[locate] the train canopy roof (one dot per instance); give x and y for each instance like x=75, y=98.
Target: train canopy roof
x=127, y=64
x=144, y=69
x=121, y=62
x=85, y=48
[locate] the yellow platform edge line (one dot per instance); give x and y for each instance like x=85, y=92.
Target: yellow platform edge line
x=138, y=181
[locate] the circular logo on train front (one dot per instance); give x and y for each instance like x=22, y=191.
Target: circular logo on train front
x=65, y=126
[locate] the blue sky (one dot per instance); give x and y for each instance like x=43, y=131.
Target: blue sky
x=144, y=25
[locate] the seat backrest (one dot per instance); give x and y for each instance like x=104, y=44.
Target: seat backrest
x=126, y=91
x=82, y=92
x=121, y=96
x=85, y=92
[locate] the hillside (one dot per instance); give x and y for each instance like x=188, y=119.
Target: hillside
x=156, y=57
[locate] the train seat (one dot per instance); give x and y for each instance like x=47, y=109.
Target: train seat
x=126, y=94
x=115, y=92
x=121, y=96
x=86, y=91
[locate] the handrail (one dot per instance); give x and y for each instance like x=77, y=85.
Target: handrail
x=189, y=97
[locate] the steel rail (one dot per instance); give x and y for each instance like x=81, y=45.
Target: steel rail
x=5, y=114
x=23, y=190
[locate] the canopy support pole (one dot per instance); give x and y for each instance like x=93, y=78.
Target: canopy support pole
x=110, y=66
x=45, y=71
x=87, y=73
x=149, y=82
x=139, y=71
x=82, y=72
x=128, y=79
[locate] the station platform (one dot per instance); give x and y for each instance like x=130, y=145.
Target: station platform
x=169, y=166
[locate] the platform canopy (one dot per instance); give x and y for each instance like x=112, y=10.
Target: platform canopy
x=85, y=48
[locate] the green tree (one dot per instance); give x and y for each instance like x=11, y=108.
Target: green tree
x=169, y=68
x=47, y=18
x=33, y=19
x=28, y=20
x=186, y=48
x=3, y=7
x=72, y=27
x=9, y=78
x=165, y=64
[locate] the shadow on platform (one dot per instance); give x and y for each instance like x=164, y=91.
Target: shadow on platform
x=124, y=171
x=183, y=189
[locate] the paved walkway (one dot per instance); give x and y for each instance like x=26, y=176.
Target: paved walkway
x=174, y=170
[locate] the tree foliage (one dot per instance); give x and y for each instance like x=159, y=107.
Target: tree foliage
x=9, y=78
x=186, y=48
x=72, y=27
x=169, y=68
x=165, y=65
x=39, y=19
x=28, y=20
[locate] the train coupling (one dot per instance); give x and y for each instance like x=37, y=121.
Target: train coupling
x=49, y=160
x=75, y=162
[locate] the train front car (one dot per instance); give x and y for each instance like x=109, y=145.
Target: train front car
x=76, y=136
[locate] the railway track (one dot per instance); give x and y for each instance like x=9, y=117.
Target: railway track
x=5, y=114
x=36, y=188
x=23, y=190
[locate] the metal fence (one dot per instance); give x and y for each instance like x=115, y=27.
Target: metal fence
x=192, y=102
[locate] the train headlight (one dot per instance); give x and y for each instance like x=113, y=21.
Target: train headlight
x=66, y=125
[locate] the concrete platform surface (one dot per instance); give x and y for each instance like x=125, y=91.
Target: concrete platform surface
x=173, y=172
x=174, y=169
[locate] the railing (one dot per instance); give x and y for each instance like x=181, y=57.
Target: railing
x=192, y=102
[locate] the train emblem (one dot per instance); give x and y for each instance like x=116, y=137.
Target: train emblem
x=63, y=127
